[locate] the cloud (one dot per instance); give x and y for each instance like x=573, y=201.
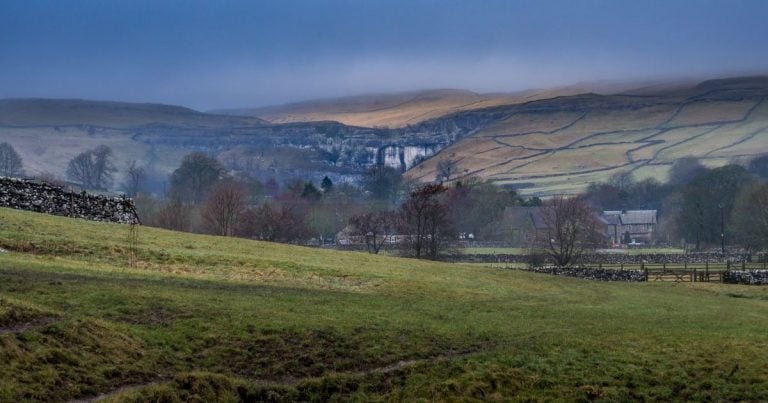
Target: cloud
x=242, y=53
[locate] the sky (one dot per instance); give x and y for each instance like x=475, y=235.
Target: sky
x=230, y=53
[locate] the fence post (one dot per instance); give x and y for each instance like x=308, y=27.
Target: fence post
x=694, y=274
x=706, y=271
x=645, y=270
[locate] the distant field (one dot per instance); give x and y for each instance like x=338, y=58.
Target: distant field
x=217, y=319
x=568, y=143
x=493, y=251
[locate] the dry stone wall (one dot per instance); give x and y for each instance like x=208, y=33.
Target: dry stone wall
x=592, y=273
x=50, y=199
x=612, y=258
x=753, y=277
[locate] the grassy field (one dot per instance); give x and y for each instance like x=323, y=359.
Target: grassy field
x=493, y=251
x=207, y=318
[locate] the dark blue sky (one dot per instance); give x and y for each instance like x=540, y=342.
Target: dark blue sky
x=212, y=54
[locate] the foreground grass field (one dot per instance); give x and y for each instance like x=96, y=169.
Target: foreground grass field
x=207, y=318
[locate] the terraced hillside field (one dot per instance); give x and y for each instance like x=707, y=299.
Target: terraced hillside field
x=202, y=318
x=561, y=145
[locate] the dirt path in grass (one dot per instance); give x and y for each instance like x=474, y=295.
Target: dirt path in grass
x=126, y=388
x=31, y=325
x=371, y=371
x=291, y=381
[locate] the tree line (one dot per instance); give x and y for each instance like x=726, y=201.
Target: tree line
x=698, y=206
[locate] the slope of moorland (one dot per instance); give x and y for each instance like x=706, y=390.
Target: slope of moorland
x=203, y=318
x=562, y=144
x=397, y=110
x=389, y=110
x=24, y=112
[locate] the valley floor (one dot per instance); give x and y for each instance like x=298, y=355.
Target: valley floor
x=213, y=318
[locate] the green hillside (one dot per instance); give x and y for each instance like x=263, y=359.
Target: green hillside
x=206, y=318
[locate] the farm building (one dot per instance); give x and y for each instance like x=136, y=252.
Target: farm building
x=628, y=226
x=526, y=224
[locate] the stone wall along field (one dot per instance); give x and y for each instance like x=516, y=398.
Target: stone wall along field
x=612, y=258
x=753, y=277
x=50, y=199
x=592, y=273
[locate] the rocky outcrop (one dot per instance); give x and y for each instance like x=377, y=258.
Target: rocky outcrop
x=50, y=199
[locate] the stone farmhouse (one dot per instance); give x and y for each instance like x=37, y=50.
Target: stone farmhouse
x=620, y=227
x=630, y=226
x=526, y=224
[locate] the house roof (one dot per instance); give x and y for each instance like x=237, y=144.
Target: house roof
x=523, y=217
x=629, y=217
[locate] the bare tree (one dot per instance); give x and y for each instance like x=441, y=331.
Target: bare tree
x=272, y=222
x=81, y=170
x=376, y=228
x=174, y=215
x=135, y=177
x=262, y=222
x=10, y=161
x=195, y=176
x=425, y=221
x=92, y=168
x=224, y=205
x=571, y=228
x=104, y=167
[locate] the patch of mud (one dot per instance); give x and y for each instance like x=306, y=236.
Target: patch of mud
x=37, y=323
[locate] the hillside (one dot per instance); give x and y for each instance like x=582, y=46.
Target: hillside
x=398, y=109
x=541, y=142
x=48, y=133
x=208, y=318
x=76, y=112
x=562, y=144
